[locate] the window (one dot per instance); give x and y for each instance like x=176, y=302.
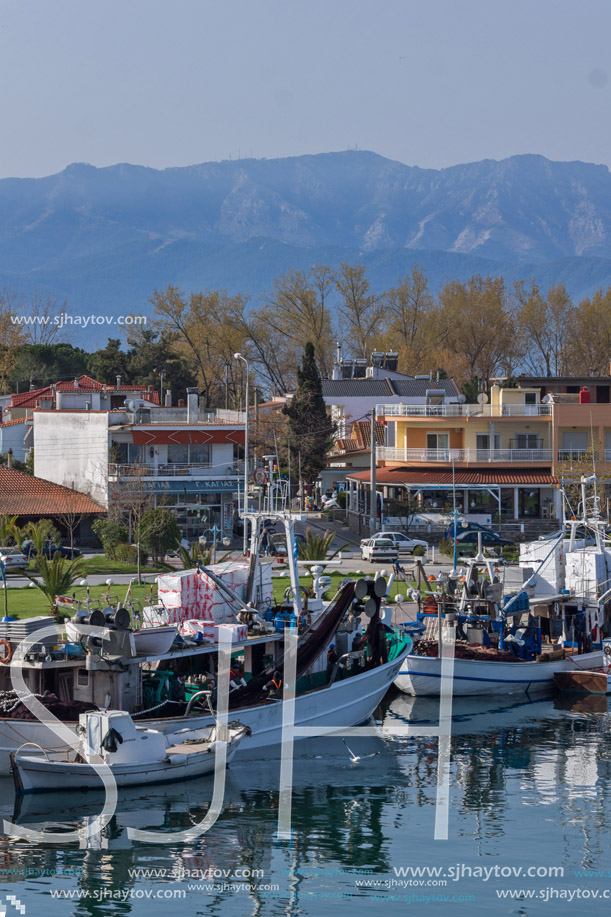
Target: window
x=437, y=445
x=526, y=441
x=574, y=445
x=178, y=453
x=530, y=397
x=199, y=454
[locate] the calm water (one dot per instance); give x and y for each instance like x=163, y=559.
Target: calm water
x=530, y=789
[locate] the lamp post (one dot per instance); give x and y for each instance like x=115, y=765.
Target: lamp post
x=216, y=531
x=238, y=356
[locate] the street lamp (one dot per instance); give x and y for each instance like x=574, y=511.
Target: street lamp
x=238, y=356
x=215, y=531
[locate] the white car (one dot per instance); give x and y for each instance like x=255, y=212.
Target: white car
x=379, y=549
x=403, y=543
x=13, y=559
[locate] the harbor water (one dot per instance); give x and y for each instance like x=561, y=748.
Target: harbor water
x=529, y=826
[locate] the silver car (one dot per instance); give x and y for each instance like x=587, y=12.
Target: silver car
x=403, y=543
x=13, y=559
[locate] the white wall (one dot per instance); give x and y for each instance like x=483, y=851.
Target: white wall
x=72, y=449
x=14, y=437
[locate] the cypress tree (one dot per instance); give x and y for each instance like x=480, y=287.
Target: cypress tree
x=310, y=428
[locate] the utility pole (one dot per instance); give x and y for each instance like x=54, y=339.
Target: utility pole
x=373, y=500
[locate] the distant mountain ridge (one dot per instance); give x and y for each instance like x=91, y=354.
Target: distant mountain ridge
x=105, y=238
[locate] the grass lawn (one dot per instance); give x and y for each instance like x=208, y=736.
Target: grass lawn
x=103, y=565
x=27, y=602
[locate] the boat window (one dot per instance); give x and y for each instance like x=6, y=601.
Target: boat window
x=82, y=678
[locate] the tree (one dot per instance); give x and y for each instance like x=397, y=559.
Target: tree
x=589, y=339
x=150, y=355
x=477, y=328
x=208, y=328
x=41, y=364
x=409, y=310
x=315, y=547
x=297, y=308
x=111, y=534
x=12, y=334
x=48, y=319
x=39, y=533
x=105, y=364
x=160, y=532
x=311, y=433
x=10, y=533
x=545, y=326
x=131, y=499
x=56, y=576
x=359, y=308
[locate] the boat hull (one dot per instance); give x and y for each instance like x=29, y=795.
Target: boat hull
x=34, y=774
x=345, y=703
x=579, y=681
x=421, y=675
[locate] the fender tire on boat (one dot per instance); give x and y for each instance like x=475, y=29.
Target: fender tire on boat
x=6, y=654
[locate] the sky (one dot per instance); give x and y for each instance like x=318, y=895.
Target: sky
x=431, y=83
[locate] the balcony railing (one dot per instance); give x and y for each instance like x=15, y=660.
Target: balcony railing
x=176, y=469
x=577, y=455
x=390, y=454
x=465, y=410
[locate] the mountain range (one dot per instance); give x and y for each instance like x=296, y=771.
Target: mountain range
x=106, y=238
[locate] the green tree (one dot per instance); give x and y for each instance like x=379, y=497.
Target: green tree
x=56, y=576
x=150, y=355
x=42, y=364
x=10, y=533
x=310, y=429
x=111, y=534
x=316, y=546
x=105, y=364
x=159, y=532
x=545, y=324
x=361, y=310
x=39, y=533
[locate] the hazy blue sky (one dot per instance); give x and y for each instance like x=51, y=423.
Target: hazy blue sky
x=175, y=82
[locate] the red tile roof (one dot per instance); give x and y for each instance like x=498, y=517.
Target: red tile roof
x=24, y=495
x=493, y=478
x=9, y=423
x=85, y=384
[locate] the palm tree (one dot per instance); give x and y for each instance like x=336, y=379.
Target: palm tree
x=40, y=533
x=316, y=546
x=56, y=576
x=10, y=533
x=197, y=554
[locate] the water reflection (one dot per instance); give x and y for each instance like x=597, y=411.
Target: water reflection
x=528, y=781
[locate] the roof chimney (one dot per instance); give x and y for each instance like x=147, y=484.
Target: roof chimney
x=168, y=398
x=192, y=405
x=9, y=458
x=75, y=382
x=118, y=382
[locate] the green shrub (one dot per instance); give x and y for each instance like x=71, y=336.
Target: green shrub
x=446, y=546
x=419, y=551
x=128, y=554
x=111, y=534
x=341, y=499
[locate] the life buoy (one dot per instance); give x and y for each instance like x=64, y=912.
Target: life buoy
x=6, y=652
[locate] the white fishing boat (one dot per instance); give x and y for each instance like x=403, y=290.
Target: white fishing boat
x=134, y=755
x=519, y=644
x=105, y=671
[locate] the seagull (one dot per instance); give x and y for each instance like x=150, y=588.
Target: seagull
x=356, y=758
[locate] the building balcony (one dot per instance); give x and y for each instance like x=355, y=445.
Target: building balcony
x=464, y=456
x=173, y=470
x=580, y=455
x=464, y=410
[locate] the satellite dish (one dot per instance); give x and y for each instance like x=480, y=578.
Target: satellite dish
x=483, y=398
x=133, y=406
x=547, y=399
x=461, y=399
x=379, y=587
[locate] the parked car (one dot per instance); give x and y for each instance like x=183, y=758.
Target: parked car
x=13, y=559
x=50, y=550
x=403, y=543
x=379, y=549
x=277, y=544
x=464, y=526
x=467, y=542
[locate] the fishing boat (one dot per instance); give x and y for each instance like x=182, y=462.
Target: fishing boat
x=519, y=643
x=134, y=755
x=103, y=670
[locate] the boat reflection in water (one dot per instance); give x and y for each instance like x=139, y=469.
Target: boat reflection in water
x=531, y=777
